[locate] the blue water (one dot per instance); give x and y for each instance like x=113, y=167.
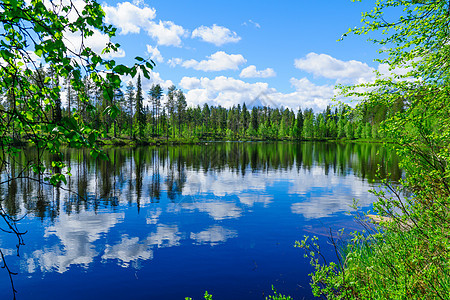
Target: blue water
x=170, y=223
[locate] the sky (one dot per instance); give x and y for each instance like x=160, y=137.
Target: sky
x=277, y=53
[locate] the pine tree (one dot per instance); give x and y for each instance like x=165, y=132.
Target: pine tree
x=254, y=119
x=155, y=94
x=140, y=114
x=299, y=124
x=245, y=117
x=181, y=109
x=130, y=100
x=54, y=82
x=206, y=114
x=171, y=106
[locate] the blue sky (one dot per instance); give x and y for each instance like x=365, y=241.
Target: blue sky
x=284, y=53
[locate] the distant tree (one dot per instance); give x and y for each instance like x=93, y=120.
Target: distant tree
x=206, y=114
x=130, y=98
x=349, y=132
x=32, y=29
x=245, y=118
x=171, y=106
x=139, y=107
x=298, y=127
x=155, y=94
x=254, y=119
x=341, y=127
x=181, y=109
x=331, y=128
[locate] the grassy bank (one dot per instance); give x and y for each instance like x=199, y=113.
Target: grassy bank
x=187, y=141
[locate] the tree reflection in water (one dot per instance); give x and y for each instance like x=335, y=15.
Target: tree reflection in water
x=211, y=184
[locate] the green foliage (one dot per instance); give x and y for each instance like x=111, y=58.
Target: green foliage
x=206, y=297
x=277, y=296
x=32, y=109
x=406, y=255
x=178, y=120
x=37, y=58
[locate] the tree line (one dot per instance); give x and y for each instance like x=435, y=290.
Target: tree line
x=125, y=115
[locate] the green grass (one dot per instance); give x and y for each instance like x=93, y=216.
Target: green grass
x=391, y=262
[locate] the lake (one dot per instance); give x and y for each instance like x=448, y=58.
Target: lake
x=172, y=222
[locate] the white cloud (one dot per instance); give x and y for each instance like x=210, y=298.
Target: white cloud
x=217, y=35
x=138, y=2
x=174, y=61
x=251, y=72
x=77, y=234
x=351, y=72
x=227, y=91
x=216, y=209
x=154, y=54
x=155, y=78
x=307, y=88
x=250, y=199
x=385, y=71
x=213, y=235
x=165, y=236
x=128, y=250
x=324, y=65
x=153, y=216
x=190, y=83
x=219, y=61
x=253, y=23
x=166, y=33
x=337, y=193
x=97, y=42
x=128, y=17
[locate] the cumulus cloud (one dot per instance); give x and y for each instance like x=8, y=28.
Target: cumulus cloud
x=217, y=35
x=166, y=33
x=174, y=61
x=154, y=54
x=385, y=70
x=130, y=18
x=227, y=91
x=347, y=72
x=155, y=78
x=190, y=83
x=324, y=65
x=219, y=61
x=97, y=42
x=251, y=72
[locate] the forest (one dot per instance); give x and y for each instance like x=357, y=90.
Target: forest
x=404, y=256
x=167, y=117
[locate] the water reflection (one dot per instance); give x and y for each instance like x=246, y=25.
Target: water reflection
x=213, y=235
x=226, y=196
x=76, y=236
x=139, y=176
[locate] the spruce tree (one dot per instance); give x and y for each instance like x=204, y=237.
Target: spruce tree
x=130, y=100
x=139, y=115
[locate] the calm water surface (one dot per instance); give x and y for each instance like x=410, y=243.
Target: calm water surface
x=172, y=222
